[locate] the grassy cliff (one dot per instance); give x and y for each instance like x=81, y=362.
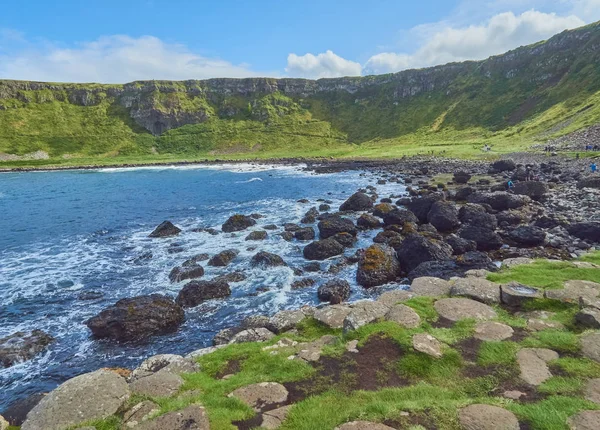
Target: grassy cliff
x=510, y=101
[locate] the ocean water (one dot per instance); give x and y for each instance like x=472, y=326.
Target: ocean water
x=67, y=233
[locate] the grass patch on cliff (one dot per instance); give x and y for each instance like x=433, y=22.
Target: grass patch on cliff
x=551, y=413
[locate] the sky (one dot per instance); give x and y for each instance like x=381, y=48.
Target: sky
x=113, y=41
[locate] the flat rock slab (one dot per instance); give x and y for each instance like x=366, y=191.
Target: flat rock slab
x=585, y=420
x=91, y=396
x=311, y=351
x=193, y=417
x=160, y=384
x=363, y=425
x=487, y=417
x=427, y=344
x=174, y=363
x=516, y=295
x=539, y=324
x=253, y=335
x=492, y=331
x=390, y=298
x=273, y=419
x=430, y=286
x=532, y=364
x=403, y=315
x=574, y=290
x=363, y=313
x=455, y=309
x=592, y=390
x=518, y=261
x=590, y=346
x=259, y=396
x=479, y=289
x=332, y=316
x=139, y=413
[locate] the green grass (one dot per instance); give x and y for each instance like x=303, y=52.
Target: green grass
x=558, y=340
x=497, y=353
x=561, y=385
x=578, y=367
x=552, y=413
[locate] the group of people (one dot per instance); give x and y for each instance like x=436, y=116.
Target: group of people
x=591, y=147
x=530, y=176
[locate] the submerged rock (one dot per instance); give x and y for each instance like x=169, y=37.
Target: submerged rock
x=223, y=258
x=165, y=229
x=23, y=346
x=266, y=259
x=323, y=249
x=196, y=292
x=137, y=318
x=238, y=222
x=179, y=274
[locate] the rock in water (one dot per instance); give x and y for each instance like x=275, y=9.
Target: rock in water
x=238, y=222
x=92, y=396
x=166, y=229
x=266, y=259
x=196, y=292
x=377, y=266
x=323, y=249
x=421, y=206
x=357, y=202
x=334, y=291
x=23, y=346
x=179, y=274
x=334, y=224
x=223, y=258
x=137, y=318
x=399, y=217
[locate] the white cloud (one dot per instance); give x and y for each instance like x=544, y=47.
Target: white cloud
x=113, y=59
x=324, y=65
x=442, y=43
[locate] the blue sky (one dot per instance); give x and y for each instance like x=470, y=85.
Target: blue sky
x=121, y=41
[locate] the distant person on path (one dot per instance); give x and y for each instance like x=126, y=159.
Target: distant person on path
x=509, y=185
x=529, y=172
x=594, y=167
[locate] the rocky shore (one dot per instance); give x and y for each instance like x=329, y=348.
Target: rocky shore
x=457, y=224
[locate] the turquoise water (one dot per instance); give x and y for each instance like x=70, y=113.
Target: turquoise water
x=73, y=232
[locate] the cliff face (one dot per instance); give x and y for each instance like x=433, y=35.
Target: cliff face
x=492, y=94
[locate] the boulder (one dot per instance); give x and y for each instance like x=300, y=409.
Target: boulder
x=274, y=418
x=363, y=313
x=479, y=289
x=590, y=346
x=261, y=395
x=500, y=200
x=139, y=413
x=23, y=346
x=378, y=265
x=230, y=277
x=404, y=316
x=463, y=193
x=504, y=165
x=457, y=267
x=196, y=292
x=344, y=239
x=266, y=259
x=589, y=318
x=443, y=216
x=368, y=222
x=486, y=239
x=391, y=298
x=454, y=309
x=476, y=215
x=88, y=397
x=334, y=291
x=306, y=233
x=332, y=316
x=284, y=321
x=592, y=390
x=585, y=231
x=574, y=291
x=585, y=420
x=310, y=216
x=160, y=384
x=334, y=224
x=173, y=363
x=527, y=235
x=193, y=417
x=421, y=206
x=487, y=417
x=461, y=177
x=516, y=295
x=323, y=249
x=430, y=287
x=399, y=217
x=257, y=235
x=238, y=222
x=416, y=249
x=511, y=217
x=382, y=209
x=532, y=364
x=427, y=344
x=252, y=335
x=460, y=245
x=165, y=229
x=137, y=318
x=536, y=190
x=223, y=258
x=492, y=331
x=182, y=273
x=590, y=182
x=357, y=202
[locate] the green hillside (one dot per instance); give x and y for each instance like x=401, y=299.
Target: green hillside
x=510, y=101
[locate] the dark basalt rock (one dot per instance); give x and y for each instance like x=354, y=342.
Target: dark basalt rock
x=399, y=217
x=357, y=202
x=257, y=235
x=589, y=183
x=421, y=206
x=382, y=209
x=368, y=222
x=585, y=230
x=460, y=245
x=307, y=233
x=463, y=193
x=486, y=239
x=196, y=292
x=536, y=190
x=527, y=235
x=22, y=346
x=499, y=200
x=323, y=249
x=378, y=265
x=416, y=249
x=504, y=165
x=195, y=260
x=179, y=274
x=456, y=267
x=510, y=218
x=165, y=229
x=444, y=216
x=231, y=277
x=344, y=239
x=334, y=291
x=476, y=215
x=302, y=283
x=223, y=258
x=266, y=259
x=336, y=224
x=461, y=177
x=238, y=222
x=137, y=318
x=310, y=216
